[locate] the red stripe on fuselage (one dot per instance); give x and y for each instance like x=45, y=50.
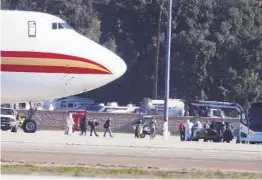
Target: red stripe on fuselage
x=44, y=55
x=49, y=69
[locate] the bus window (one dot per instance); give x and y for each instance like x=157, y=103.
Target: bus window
x=255, y=112
x=255, y=116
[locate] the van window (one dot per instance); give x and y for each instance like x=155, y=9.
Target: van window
x=217, y=113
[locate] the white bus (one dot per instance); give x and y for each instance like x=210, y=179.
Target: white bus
x=251, y=127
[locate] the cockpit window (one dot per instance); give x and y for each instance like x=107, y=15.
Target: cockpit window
x=54, y=25
x=61, y=26
x=67, y=26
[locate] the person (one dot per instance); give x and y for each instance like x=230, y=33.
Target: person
x=93, y=124
x=107, y=127
x=223, y=125
x=212, y=126
x=83, y=126
x=19, y=118
x=137, y=126
x=153, y=128
x=182, y=131
x=188, y=130
x=227, y=134
x=192, y=128
x=197, y=127
x=70, y=123
x=206, y=125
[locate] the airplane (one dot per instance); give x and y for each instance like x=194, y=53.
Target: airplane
x=43, y=57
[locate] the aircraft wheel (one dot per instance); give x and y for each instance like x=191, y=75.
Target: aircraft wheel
x=29, y=126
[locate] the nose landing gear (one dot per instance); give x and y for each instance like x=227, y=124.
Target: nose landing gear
x=29, y=125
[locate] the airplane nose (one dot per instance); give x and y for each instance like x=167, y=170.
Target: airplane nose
x=120, y=68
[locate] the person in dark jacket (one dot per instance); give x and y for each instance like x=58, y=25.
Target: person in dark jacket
x=182, y=131
x=83, y=126
x=136, y=125
x=107, y=127
x=93, y=125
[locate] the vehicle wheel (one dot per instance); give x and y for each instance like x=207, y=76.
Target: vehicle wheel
x=14, y=129
x=228, y=141
x=29, y=126
x=4, y=128
x=142, y=135
x=205, y=140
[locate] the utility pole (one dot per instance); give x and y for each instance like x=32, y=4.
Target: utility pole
x=167, y=70
x=159, y=20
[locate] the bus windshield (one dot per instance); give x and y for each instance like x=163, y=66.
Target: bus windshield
x=255, y=116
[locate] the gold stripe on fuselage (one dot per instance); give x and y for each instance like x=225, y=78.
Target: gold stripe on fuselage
x=49, y=62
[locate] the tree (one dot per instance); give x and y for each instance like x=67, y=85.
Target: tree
x=216, y=45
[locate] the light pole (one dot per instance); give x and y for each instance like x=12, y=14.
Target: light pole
x=167, y=70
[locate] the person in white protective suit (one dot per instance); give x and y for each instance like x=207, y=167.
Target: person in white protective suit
x=70, y=123
x=188, y=130
x=197, y=127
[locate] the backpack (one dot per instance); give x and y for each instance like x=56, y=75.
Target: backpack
x=106, y=124
x=89, y=123
x=96, y=123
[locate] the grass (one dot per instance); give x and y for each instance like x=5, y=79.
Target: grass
x=109, y=172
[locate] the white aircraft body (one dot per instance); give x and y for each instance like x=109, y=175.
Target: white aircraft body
x=42, y=57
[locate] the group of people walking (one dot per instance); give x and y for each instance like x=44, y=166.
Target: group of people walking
x=84, y=122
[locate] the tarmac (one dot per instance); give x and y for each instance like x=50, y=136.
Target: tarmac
x=54, y=147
